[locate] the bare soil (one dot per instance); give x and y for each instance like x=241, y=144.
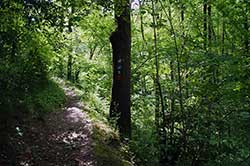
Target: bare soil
x=60, y=138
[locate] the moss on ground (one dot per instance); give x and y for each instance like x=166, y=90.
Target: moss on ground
x=108, y=149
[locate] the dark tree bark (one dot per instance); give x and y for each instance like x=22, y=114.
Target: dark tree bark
x=141, y=18
x=69, y=68
x=246, y=27
x=205, y=24
x=70, y=58
x=209, y=12
x=121, y=45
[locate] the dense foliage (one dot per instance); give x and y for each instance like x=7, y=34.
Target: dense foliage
x=190, y=71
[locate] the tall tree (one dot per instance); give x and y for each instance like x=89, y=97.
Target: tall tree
x=205, y=23
x=70, y=58
x=121, y=45
x=160, y=120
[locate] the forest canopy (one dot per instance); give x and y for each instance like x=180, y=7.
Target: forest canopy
x=172, y=76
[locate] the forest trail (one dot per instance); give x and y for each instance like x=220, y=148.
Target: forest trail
x=62, y=138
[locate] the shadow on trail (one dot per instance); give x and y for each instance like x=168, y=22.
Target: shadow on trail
x=62, y=138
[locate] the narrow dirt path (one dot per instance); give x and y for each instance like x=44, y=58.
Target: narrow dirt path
x=70, y=132
x=62, y=138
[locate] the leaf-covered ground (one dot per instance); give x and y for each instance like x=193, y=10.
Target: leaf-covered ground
x=60, y=138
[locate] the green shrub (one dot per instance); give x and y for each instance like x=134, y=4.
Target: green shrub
x=44, y=99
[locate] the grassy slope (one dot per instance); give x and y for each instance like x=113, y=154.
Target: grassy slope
x=108, y=149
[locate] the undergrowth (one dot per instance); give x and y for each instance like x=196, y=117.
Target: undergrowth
x=45, y=99
x=108, y=148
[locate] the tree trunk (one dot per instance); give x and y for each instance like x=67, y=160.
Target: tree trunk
x=205, y=24
x=141, y=19
x=121, y=45
x=246, y=27
x=209, y=10
x=70, y=63
x=160, y=120
x=69, y=68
